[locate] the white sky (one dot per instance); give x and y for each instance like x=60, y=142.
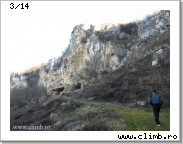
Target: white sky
x=43, y=31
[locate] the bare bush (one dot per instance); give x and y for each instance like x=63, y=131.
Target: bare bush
x=130, y=28
x=20, y=97
x=31, y=69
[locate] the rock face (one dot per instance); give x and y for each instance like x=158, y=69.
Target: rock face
x=92, y=54
x=24, y=80
x=154, y=25
x=17, y=80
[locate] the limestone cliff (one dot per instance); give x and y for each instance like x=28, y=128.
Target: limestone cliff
x=28, y=79
x=94, y=53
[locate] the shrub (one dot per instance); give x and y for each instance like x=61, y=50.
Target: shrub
x=104, y=36
x=130, y=28
x=31, y=69
x=88, y=33
x=97, y=32
x=20, y=97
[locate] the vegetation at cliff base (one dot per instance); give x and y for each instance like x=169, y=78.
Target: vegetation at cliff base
x=83, y=115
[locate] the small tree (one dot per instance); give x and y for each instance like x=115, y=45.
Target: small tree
x=20, y=97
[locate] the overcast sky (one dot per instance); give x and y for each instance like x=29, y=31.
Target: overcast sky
x=35, y=35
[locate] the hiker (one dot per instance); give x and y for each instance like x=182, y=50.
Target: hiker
x=156, y=103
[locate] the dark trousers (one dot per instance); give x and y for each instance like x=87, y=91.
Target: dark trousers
x=156, y=109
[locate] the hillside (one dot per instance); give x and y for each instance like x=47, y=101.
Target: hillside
x=100, y=80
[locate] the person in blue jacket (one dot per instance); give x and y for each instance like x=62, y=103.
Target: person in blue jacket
x=156, y=102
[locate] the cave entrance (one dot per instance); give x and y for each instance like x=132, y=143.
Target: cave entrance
x=78, y=86
x=58, y=90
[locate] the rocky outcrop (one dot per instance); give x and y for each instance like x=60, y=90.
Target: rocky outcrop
x=24, y=80
x=94, y=53
x=17, y=80
x=154, y=25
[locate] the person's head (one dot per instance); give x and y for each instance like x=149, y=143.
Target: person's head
x=154, y=91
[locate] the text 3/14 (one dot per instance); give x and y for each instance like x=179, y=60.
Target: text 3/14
x=20, y=6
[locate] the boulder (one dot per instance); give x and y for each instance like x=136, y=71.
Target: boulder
x=69, y=103
x=141, y=103
x=63, y=104
x=74, y=126
x=123, y=36
x=45, y=104
x=91, y=99
x=53, y=116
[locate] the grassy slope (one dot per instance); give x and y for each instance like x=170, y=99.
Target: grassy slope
x=143, y=120
x=135, y=118
x=96, y=116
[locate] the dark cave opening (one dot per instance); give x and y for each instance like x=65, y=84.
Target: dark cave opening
x=58, y=90
x=78, y=86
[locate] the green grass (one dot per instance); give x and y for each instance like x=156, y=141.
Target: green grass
x=142, y=119
x=137, y=118
x=88, y=108
x=134, y=118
